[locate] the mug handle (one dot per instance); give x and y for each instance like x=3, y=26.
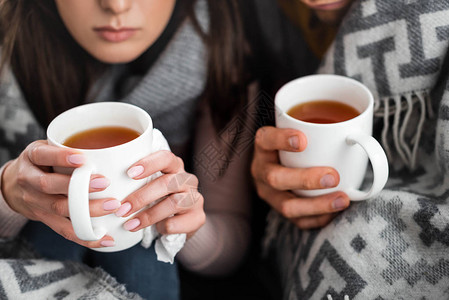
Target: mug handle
x=79, y=205
x=379, y=163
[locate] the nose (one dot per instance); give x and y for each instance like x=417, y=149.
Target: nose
x=116, y=6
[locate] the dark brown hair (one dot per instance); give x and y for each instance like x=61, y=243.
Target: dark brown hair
x=55, y=73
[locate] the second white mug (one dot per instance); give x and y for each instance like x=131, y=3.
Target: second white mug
x=346, y=146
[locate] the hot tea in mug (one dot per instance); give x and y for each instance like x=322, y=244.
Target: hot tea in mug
x=101, y=137
x=323, y=112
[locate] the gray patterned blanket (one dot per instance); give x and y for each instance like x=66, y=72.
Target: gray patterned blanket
x=24, y=276
x=395, y=246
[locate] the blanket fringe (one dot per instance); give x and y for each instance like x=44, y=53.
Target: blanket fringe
x=401, y=108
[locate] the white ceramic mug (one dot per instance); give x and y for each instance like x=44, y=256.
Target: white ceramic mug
x=112, y=162
x=345, y=146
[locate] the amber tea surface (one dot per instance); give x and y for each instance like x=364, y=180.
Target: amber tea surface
x=101, y=137
x=323, y=112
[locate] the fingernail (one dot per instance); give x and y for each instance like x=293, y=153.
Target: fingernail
x=111, y=205
x=339, y=203
x=123, y=210
x=76, y=159
x=99, y=183
x=131, y=224
x=135, y=171
x=294, y=142
x=107, y=243
x=327, y=181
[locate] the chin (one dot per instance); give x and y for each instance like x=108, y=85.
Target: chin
x=116, y=55
x=331, y=17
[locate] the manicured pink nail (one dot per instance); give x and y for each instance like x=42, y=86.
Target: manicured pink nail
x=135, y=171
x=111, y=205
x=131, y=224
x=99, y=183
x=76, y=159
x=107, y=243
x=123, y=210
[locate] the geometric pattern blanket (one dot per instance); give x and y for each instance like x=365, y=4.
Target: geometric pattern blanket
x=396, y=245
x=24, y=276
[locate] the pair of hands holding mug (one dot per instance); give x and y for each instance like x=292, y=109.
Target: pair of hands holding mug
x=274, y=182
x=33, y=190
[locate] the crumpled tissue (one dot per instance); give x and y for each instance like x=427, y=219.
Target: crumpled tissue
x=167, y=245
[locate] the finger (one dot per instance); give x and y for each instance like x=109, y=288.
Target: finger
x=270, y=138
x=98, y=183
x=292, y=206
x=284, y=178
x=55, y=183
x=42, y=154
x=103, y=207
x=184, y=223
x=174, y=204
x=156, y=189
x=58, y=205
x=163, y=161
x=314, y=222
x=63, y=227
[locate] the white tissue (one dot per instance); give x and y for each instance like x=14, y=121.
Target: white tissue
x=167, y=246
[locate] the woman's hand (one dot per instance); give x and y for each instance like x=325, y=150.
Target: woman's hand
x=33, y=190
x=274, y=182
x=176, y=206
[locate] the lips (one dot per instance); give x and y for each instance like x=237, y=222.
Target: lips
x=115, y=35
x=330, y=6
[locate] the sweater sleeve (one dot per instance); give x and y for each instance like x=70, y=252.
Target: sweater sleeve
x=10, y=221
x=221, y=244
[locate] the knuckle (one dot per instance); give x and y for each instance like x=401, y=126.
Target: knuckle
x=137, y=200
x=170, y=181
x=146, y=219
x=177, y=201
x=202, y=218
x=89, y=244
x=27, y=198
x=36, y=215
x=67, y=235
x=254, y=169
x=285, y=209
x=190, y=180
x=33, y=152
x=58, y=208
x=180, y=162
x=307, y=182
x=259, y=136
x=271, y=178
x=22, y=178
x=198, y=198
x=169, y=226
x=44, y=183
x=300, y=223
x=168, y=155
x=260, y=190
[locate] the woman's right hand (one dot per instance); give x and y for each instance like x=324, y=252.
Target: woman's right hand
x=31, y=188
x=274, y=182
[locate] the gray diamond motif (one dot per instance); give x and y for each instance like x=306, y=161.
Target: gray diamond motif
x=358, y=243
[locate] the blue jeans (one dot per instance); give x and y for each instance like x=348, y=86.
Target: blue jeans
x=136, y=267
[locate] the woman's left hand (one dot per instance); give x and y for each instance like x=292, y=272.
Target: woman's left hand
x=181, y=208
